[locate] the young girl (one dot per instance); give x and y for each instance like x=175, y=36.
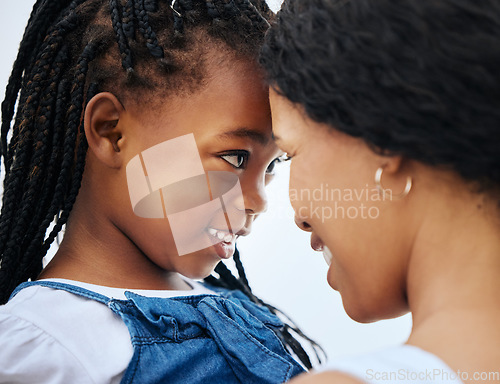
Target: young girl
x=99, y=87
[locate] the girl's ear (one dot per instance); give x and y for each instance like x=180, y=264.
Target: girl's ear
x=102, y=128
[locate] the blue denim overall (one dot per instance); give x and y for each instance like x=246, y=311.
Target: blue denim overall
x=197, y=339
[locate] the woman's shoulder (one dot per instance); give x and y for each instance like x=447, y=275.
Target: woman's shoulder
x=327, y=377
x=401, y=364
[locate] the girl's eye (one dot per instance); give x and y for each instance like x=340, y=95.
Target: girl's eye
x=281, y=159
x=237, y=160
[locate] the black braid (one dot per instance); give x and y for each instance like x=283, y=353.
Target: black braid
x=229, y=281
x=71, y=50
x=121, y=36
x=147, y=32
x=78, y=130
x=178, y=22
x=12, y=190
x=42, y=156
x=231, y=9
x=151, y=5
x=212, y=10
x=241, y=270
x=128, y=18
x=252, y=13
x=30, y=40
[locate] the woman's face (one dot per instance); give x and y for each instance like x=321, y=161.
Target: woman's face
x=230, y=122
x=334, y=196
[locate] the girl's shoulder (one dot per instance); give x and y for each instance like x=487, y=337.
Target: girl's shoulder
x=38, y=322
x=29, y=354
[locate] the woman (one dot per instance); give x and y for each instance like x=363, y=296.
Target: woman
x=395, y=105
x=121, y=119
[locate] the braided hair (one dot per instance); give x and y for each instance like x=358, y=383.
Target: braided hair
x=73, y=49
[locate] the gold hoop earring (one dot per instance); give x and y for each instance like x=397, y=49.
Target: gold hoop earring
x=383, y=192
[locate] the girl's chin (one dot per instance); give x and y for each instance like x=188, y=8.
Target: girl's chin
x=202, y=264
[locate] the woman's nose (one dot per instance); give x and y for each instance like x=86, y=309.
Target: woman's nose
x=302, y=224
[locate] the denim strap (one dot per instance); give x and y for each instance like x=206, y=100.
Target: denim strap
x=65, y=287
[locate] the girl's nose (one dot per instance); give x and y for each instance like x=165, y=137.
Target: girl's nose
x=255, y=199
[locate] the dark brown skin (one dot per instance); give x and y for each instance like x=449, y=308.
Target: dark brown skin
x=434, y=253
x=105, y=242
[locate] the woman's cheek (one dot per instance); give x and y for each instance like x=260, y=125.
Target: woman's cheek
x=301, y=182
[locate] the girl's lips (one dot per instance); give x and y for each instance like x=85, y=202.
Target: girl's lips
x=225, y=250
x=223, y=242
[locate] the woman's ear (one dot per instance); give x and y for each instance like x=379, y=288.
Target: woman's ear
x=397, y=174
x=393, y=164
x=102, y=129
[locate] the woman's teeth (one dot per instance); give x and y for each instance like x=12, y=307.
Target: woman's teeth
x=222, y=235
x=327, y=255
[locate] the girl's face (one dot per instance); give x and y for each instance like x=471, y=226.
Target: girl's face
x=231, y=123
x=334, y=196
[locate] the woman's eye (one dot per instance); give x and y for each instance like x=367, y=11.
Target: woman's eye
x=270, y=168
x=281, y=159
x=237, y=160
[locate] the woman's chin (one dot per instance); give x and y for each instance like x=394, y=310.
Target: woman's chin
x=371, y=313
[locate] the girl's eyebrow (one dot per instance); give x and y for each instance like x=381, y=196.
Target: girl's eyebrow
x=246, y=133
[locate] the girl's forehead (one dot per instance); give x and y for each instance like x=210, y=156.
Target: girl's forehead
x=226, y=101
x=234, y=80
x=214, y=118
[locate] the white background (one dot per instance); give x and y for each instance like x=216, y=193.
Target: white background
x=281, y=266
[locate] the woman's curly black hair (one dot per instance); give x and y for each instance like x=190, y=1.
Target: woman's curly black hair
x=418, y=78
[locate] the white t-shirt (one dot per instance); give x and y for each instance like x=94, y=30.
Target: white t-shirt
x=402, y=364
x=43, y=329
